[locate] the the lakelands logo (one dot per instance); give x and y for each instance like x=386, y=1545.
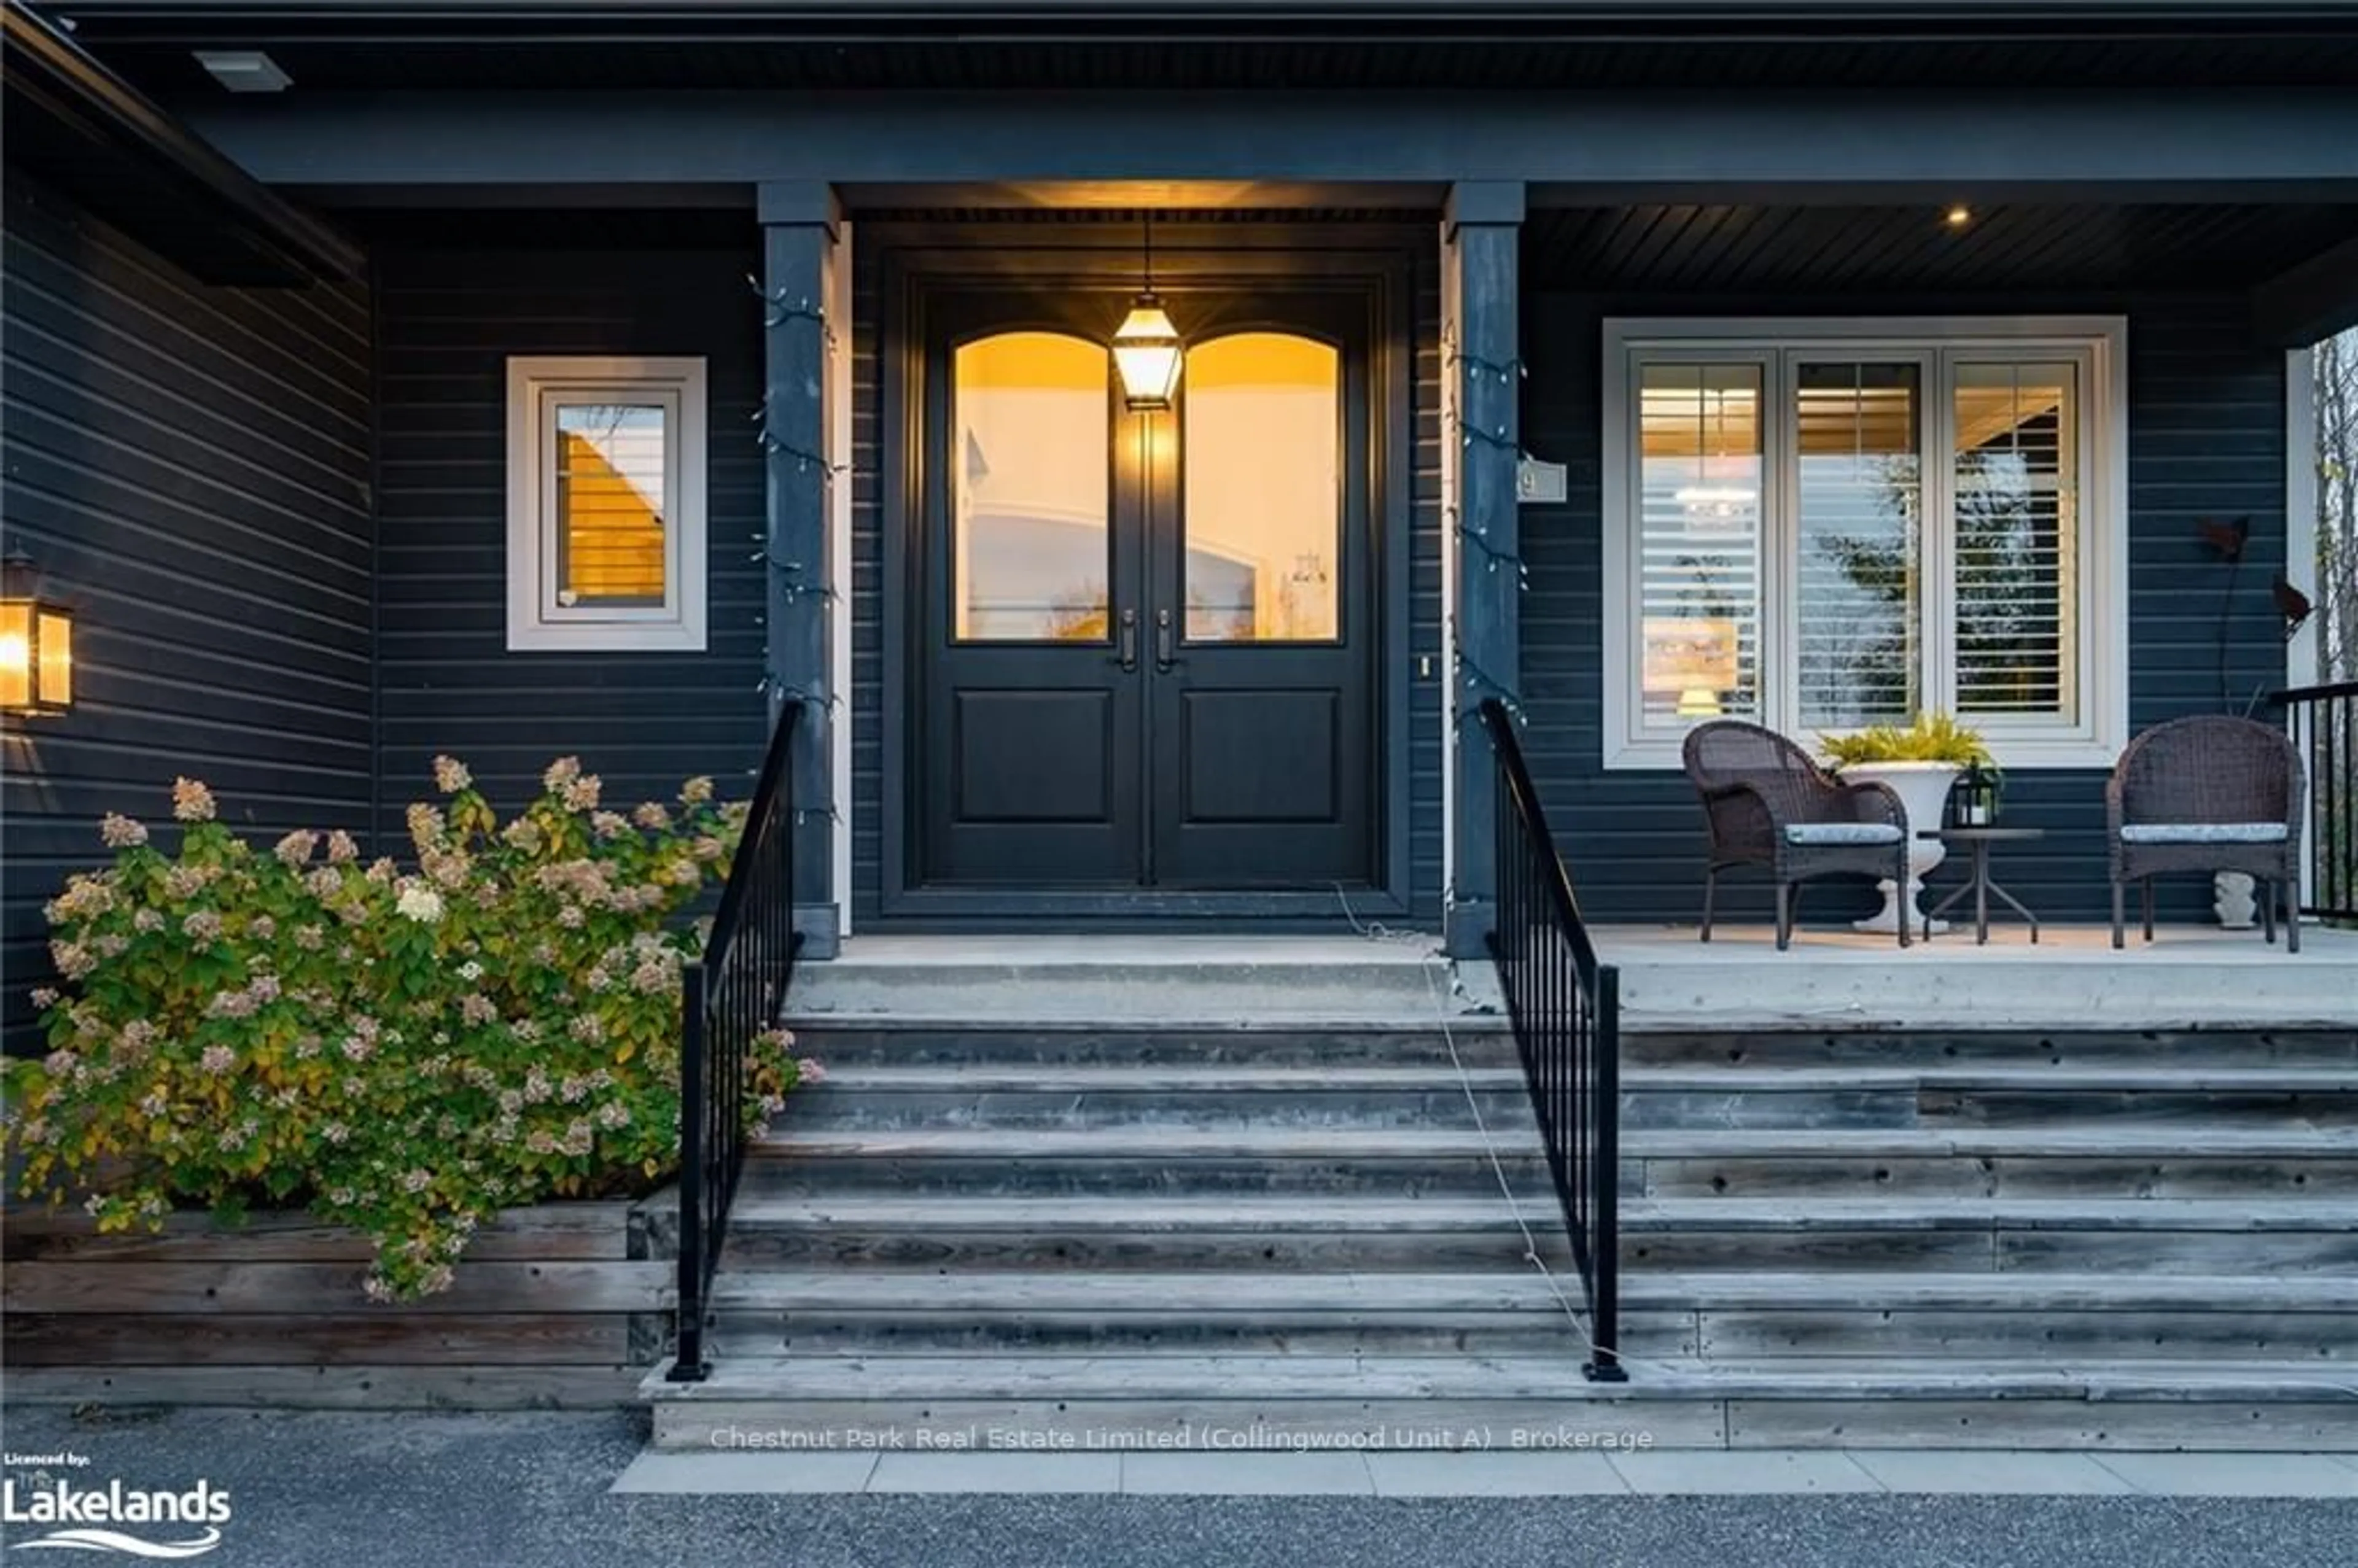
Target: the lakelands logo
x=171, y=1523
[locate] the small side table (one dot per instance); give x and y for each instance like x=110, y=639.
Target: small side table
x=1979, y=839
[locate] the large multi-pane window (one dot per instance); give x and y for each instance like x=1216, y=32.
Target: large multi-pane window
x=1820, y=527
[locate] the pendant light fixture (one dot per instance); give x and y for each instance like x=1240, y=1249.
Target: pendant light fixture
x=1146, y=346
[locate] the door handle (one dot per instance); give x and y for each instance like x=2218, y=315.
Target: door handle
x=1128, y=659
x=1165, y=639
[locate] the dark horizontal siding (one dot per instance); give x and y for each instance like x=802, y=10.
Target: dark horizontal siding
x=2206, y=441
x=451, y=310
x=190, y=466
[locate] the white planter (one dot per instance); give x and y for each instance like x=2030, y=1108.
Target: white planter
x=1923, y=790
x=2232, y=902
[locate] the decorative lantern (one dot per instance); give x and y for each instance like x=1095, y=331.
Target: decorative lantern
x=1973, y=802
x=35, y=644
x=1146, y=345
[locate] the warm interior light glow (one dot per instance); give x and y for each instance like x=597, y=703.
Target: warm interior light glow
x=1714, y=495
x=1030, y=488
x=1960, y=215
x=1261, y=465
x=35, y=644
x=1146, y=354
x=15, y=658
x=56, y=667
x=1697, y=657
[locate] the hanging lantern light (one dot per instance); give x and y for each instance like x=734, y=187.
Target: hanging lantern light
x=35, y=643
x=1146, y=346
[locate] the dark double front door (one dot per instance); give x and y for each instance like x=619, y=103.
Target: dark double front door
x=1148, y=652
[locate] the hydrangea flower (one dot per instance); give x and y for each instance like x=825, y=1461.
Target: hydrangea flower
x=191, y=801
x=420, y=902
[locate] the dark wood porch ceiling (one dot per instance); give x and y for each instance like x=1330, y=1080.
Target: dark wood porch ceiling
x=1914, y=249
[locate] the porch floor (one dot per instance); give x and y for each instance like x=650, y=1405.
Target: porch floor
x=2188, y=977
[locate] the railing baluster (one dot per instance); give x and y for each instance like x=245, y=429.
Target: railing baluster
x=2323, y=722
x=1565, y=1008
x=735, y=991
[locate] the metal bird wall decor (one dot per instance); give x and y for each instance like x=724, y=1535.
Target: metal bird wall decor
x=2227, y=538
x=2291, y=603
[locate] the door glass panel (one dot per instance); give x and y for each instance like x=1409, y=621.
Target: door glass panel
x=1028, y=462
x=1262, y=461
x=1699, y=539
x=1860, y=492
x=610, y=484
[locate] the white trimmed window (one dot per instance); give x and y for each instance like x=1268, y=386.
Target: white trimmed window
x=1819, y=525
x=606, y=524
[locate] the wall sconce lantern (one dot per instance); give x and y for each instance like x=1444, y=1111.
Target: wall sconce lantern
x=35, y=643
x=1146, y=345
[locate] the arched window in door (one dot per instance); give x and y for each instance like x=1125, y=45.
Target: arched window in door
x=1261, y=457
x=1030, y=427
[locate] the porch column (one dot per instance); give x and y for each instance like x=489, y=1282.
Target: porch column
x=800, y=225
x=1481, y=236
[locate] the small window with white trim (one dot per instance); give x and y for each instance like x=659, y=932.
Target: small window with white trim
x=606, y=524
x=1822, y=525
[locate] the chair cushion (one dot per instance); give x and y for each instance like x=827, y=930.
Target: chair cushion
x=1840, y=833
x=2203, y=833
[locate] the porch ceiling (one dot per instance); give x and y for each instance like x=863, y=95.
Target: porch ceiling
x=1894, y=249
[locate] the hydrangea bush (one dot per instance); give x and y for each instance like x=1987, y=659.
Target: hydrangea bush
x=402, y=1050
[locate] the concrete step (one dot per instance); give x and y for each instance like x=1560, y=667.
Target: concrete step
x=1280, y=1400
x=1479, y=1040
x=1188, y=1312
x=2174, y=1235
x=1047, y=1096
x=2104, y=1049
x=1740, y=1315
x=1219, y=1232
x=1170, y=1233
x=2110, y=1160
x=1518, y=1292
x=1155, y=980
x=1110, y=1160
x=1024, y=1094
x=2208, y=1098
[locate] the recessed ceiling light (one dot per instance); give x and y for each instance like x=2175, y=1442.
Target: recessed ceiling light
x=244, y=71
x=1960, y=215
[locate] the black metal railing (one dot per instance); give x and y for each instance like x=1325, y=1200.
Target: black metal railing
x=2323, y=722
x=1567, y=1008
x=732, y=992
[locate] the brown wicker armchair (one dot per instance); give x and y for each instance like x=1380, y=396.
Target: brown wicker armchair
x=1768, y=804
x=2208, y=794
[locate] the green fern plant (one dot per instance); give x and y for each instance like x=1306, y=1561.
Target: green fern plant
x=1933, y=738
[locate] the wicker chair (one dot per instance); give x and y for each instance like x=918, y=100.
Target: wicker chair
x=1768, y=804
x=2208, y=794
